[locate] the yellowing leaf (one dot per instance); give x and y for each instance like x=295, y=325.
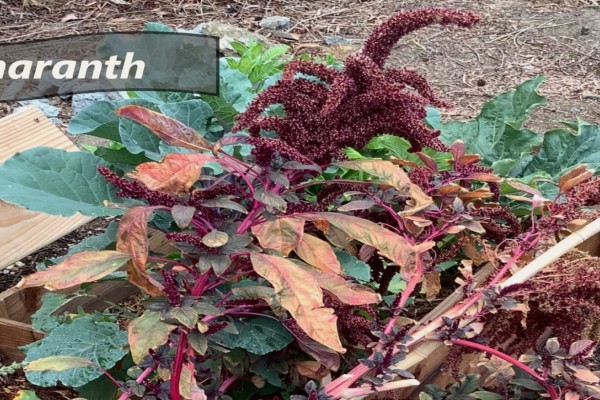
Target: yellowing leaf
x=394, y=176
x=574, y=177
x=87, y=266
x=299, y=293
x=282, y=234
x=188, y=388
x=318, y=253
x=215, y=238
x=432, y=285
x=26, y=395
x=58, y=363
x=147, y=332
x=132, y=238
x=168, y=129
x=389, y=244
x=344, y=291
x=174, y=174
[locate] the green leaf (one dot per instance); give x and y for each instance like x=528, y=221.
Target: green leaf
x=268, y=369
x=139, y=139
x=187, y=316
x=194, y=113
x=156, y=27
x=235, y=94
x=258, y=335
x=26, y=395
x=121, y=156
x=199, y=342
x=483, y=395
x=496, y=133
x=561, y=150
x=101, y=343
x=43, y=320
x=99, y=119
x=353, y=266
x=147, y=332
x=528, y=383
x=55, y=181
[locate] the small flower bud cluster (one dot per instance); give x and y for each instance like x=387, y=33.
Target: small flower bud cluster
x=135, y=190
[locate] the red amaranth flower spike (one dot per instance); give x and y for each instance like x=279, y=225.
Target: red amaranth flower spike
x=382, y=40
x=349, y=107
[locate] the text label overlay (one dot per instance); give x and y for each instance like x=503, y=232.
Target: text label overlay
x=109, y=61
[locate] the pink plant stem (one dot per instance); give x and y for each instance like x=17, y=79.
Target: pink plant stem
x=249, y=220
x=513, y=361
x=336, y=387
x=226, y=383
x=140, y=380
x=178, y=365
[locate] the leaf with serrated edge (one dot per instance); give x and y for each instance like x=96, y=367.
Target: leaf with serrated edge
x=132, y=238
x=174, y=174
x=58, y=363
x=101, y=343
x=394, y=176
x=147, y=332
x=282, y=234
x=318, y=253
x=299, y=293
x=182, y=215
x=87, y=266
x=168, y=129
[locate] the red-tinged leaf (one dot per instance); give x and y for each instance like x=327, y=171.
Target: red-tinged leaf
x=87, y=266
x=282, y=234
x=318, y=253
x=519, y=198
x=483, y=177
x=347, y=293
x=396, y=177
x=582, y=348
x=469, y=159
x=428, y=161
x=168, y=129
x=572, y=396
x=404, y=163
x=453, y=230
x=478, y=194
x=524, y=188
x=147, y=332
x=299, y=293
x=449, y=190
x=432, y=285
x=458, y=149
x=389, y=244
x=574, y=177
x=132, y=238
x=357, y=205
x=174, y=174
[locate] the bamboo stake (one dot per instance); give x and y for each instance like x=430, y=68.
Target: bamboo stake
x=426, y=349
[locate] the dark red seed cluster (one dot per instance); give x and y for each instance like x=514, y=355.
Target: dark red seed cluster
x=349, y=107
x=135, y=190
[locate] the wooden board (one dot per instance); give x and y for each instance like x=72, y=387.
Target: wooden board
x=21, y=231
x=15, y=334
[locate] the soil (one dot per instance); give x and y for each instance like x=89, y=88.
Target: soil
x=516, y=40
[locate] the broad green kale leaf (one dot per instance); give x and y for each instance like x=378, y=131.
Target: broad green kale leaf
x=57, y=182
x=102, y=343
x=497, y=132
